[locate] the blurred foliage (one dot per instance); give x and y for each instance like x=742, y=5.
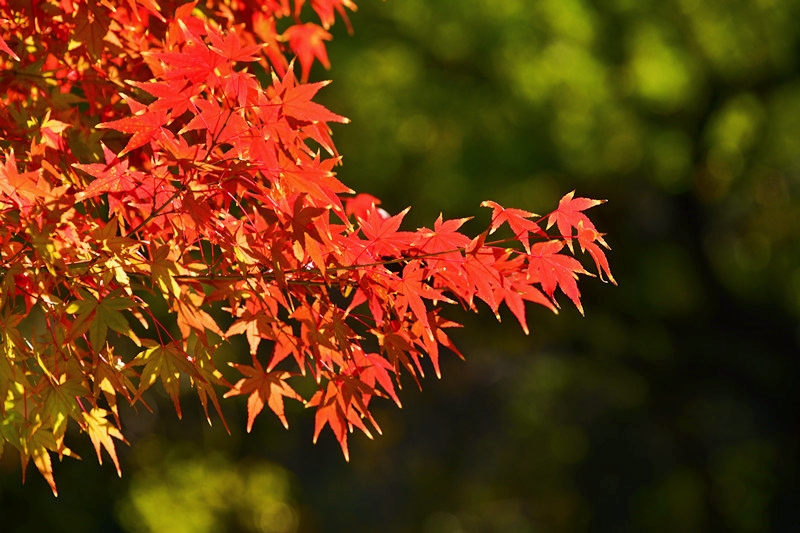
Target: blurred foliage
x=670, y=407
x=184, y=492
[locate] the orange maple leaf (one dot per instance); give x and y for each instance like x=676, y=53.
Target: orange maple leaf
x=308, y=42
x=265, y=388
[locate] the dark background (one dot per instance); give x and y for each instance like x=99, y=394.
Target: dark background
x=671, y=406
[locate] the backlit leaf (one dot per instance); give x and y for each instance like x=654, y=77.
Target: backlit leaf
x=263, y=388
x=101, y=431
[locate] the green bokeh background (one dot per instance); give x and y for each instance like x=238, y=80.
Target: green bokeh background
x=671, y=406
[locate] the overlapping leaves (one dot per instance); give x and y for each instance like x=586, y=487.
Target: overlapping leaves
x=210, y=187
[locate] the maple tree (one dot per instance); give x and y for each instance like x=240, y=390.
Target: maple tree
x=164, y=154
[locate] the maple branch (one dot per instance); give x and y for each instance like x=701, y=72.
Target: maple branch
x=222, y=192
x=156, y=211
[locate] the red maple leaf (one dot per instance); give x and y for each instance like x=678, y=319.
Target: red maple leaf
x=517, y=220
x=372, y=368
x=231, y=47
x=324, y=10
x=150, y=5
x=264, y=388
x=308, y=42
x=382, y=234
x=113, y=176
x=411, y=289
x=296, y=100
x=174, y=95
x=223, y=125
x=587, y=238
x=194, y=60
x=21, y=187
x=570, y=213
x=442, y=250
x=553, y=269
x=443, y=239
x=330, y=412
x=264, y=28
x=360, y=205
x=144, y=125
x=482, y=276
x=515, y=291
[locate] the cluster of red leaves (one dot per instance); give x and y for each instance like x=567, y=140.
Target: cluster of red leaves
x=163, y=158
